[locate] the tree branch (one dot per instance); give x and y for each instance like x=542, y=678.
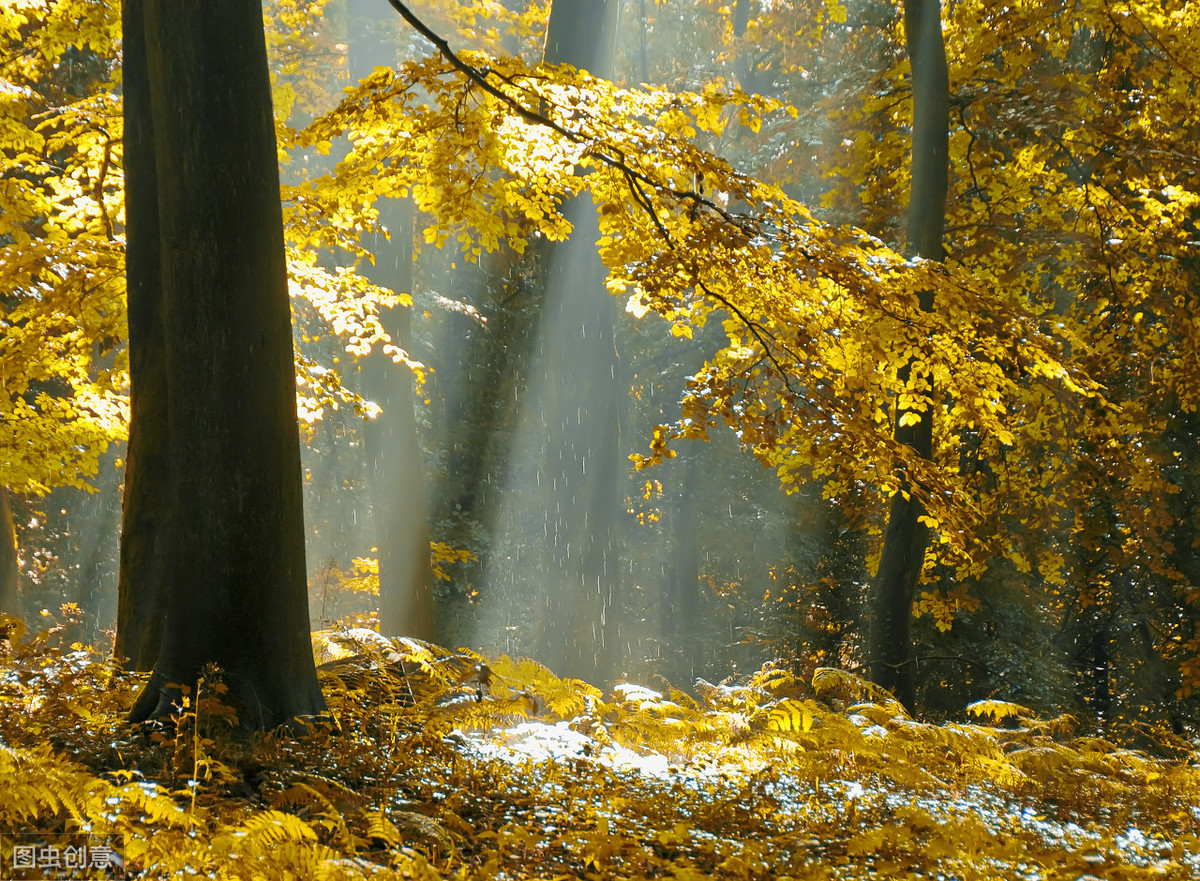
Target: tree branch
x=636, y=179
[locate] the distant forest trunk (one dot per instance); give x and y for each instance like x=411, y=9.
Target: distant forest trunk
x=483, y=394
x=680, y=611
x=400, y=511
x=232, y=543
x=98, y=517
x=582, y=405
x=889, y=645
x=10, y=570
x=751, y=77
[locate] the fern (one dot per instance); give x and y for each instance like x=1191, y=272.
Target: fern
x=791, y=715
x=270, y=828
x=39, y=785
x=998, y=711
x=848, y=686
x=561, y=698
x=764, y=780
x=383, y=830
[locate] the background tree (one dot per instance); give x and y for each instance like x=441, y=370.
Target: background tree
x=10, y=571
x=889, y=648
x=234, y=592
x=580, y=403
x=391, y=445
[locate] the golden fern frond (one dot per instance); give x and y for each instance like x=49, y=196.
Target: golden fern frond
x=466, y=712
x=271, y=828
x=520, y=673
x=998, y=711
x=969, y=740
x=383, y=830
x=39, y=783
x=418, y=830
x=342, y=868
x=790, y=715
x=879, y=715
x=299, y=797
x=150, y=803
x=1085, y=745
x=25, y=800
x=776, y=681
x=1061, y=726
x=440, y=666
x=1000, y=771
x=848, y=686
x=564, y=698
x=581, y=690
x=1044, y=762
x=684, y=699
x=406, y=865
x=320, y=795
x=254, y=859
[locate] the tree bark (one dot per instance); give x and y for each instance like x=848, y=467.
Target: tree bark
x=141, y=603
x=400, y=509
x=889, y=647
x=235, y=591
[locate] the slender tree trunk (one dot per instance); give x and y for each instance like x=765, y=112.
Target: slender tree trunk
x=681, y=608
x=483, y=394
x=581, y=407
x=889, y=645
x=141, y=603
x=745, y=65
x=235, y=585
x=10, y=570
x=99, y=527
x=643, y=27
x=400, y=510
x=1099, y=672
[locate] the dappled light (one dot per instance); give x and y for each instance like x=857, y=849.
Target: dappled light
x=600, y=439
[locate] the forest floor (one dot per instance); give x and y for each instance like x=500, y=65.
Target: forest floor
x=445, y=764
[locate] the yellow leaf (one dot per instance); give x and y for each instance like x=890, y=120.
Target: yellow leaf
x=681, y=330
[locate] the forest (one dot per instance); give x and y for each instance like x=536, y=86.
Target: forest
x=607, y=439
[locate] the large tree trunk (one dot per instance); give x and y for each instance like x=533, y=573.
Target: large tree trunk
x=235, y=585
x=141, y=603
x=400, y=510
x=889, y=646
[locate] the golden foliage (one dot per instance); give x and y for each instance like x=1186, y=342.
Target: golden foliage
x=770, y=777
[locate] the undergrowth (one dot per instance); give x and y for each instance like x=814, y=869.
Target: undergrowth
x=420, y=776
